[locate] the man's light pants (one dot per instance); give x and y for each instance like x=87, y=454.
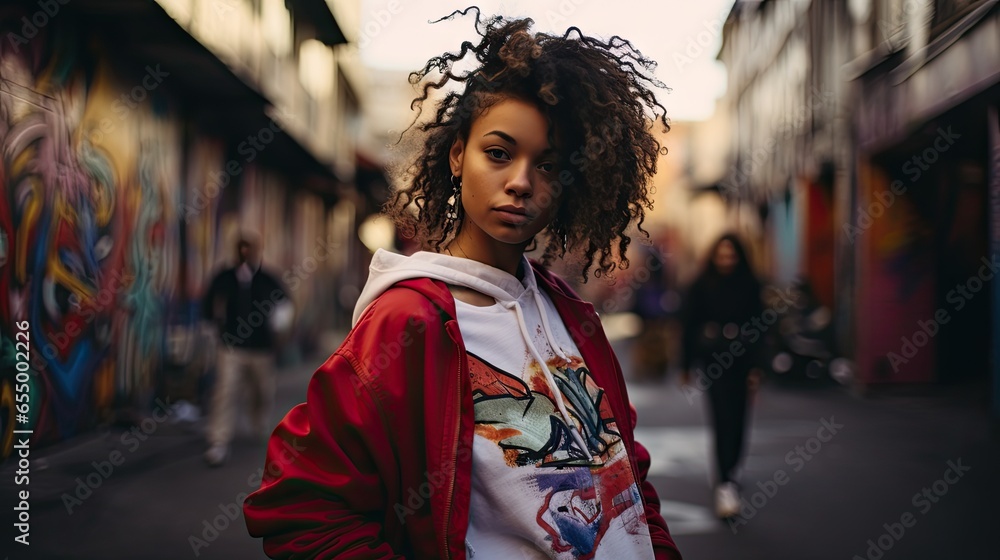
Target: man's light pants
x=236, y=368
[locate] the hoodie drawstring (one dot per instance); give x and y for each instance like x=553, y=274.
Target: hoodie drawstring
x=560, y=404
x=545, y=326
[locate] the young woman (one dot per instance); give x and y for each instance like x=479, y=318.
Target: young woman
x=718, y=340
x=476, y=409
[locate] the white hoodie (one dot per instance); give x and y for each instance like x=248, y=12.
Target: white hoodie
x=550, y=478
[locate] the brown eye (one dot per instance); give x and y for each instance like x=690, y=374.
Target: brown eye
x=547, y=167
x=497, y=153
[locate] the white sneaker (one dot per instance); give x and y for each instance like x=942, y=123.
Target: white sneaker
x=216, y=455
x=727, y=500
x=183, y=411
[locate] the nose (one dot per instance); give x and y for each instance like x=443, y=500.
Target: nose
x=519, y=183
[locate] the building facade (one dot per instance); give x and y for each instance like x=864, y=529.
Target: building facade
x=866, y=134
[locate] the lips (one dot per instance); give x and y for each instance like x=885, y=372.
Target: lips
x=511, y=214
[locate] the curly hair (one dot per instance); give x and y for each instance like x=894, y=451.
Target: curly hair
x=597, y=98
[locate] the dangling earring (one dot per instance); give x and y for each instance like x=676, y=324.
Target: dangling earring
x=455, y=200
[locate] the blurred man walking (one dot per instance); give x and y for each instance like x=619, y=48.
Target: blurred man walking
x=248, y=304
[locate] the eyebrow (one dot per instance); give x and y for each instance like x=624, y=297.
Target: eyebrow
x=503, y=135
x=511, y=140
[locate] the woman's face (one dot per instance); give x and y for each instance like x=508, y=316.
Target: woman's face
x=508, y=173
x=725, y=258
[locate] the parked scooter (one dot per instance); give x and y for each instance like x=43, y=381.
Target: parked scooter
x=803, y=345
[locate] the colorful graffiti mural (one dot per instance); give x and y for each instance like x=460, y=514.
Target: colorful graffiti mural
x=85, y=216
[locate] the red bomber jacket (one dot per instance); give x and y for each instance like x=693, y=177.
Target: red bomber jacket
x=377, y=463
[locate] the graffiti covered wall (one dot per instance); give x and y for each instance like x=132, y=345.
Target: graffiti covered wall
x=90, y=236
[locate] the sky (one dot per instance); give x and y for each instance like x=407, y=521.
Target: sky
x=683, y=36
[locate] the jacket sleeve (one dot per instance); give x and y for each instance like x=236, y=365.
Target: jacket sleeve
x=663, y=544
x=321, y=495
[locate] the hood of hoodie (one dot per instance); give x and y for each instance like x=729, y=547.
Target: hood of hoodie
x=389, y=268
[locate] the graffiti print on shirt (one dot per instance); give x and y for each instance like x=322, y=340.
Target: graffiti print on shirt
x=582, y=494
x=576, y=517
x=523, y=418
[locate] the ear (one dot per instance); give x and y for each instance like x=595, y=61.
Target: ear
x=456, y=156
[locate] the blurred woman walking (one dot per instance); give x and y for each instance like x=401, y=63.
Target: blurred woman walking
x=726, y=355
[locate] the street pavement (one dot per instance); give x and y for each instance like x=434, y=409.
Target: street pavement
x=907, y=475
x=831, y=476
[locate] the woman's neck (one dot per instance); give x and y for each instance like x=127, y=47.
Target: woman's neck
x=498, y=255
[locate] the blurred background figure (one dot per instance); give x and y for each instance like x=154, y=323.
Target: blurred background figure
x=725, y=355
x=652, y=305
x=251, y=309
